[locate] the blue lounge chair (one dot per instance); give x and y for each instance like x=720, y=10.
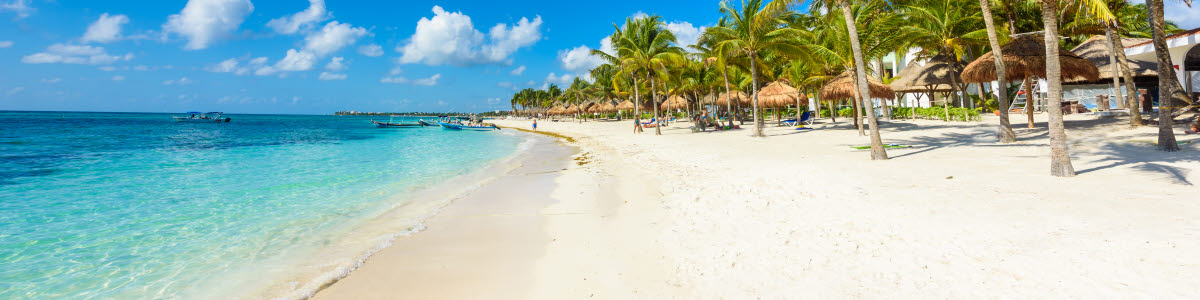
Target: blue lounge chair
x=805, y=119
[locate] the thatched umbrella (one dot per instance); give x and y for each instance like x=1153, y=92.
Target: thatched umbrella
x=675, y=102
x=939, y=73
x=1095, y=49
x=777, y=94
x=1025, y=59
x=737, y=97
x=842, y=87
x=608, y=107
x=627, y=105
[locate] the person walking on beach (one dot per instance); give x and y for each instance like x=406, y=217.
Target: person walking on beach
x=534, y=124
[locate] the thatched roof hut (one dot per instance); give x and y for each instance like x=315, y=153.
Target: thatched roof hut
x=608, y=107
x=934, y=76
x=842, y=87
x=1025, y=56
x=627, y=105
x=1096, y=50
x=675, y=102
x=777, y=94
x=737, y=97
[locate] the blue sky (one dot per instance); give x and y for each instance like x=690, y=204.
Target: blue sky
x=313, y=57
x=297, y=56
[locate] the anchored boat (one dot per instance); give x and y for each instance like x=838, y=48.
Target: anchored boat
x=452, y=126
x=199, y=117
x=396, y=125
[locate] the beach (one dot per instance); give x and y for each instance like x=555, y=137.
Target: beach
x=801, y=214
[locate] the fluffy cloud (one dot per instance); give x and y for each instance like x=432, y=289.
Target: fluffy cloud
x=234, y=65
x=106, y=29
x=431, y=81
x=685, y=34
x=302, y=20
x=561, y=80
x=371, y=50
x=451, y=38
x=118, y=78
x=297, y=61
x=181, y=81
x=6, y=44
x=227, y=66
x=336, y=64
x=74, y=54
x=518, y=71
x=20, y=7
x=203, y=22
x=580, y=59
x=331, y=76
x=332, y=38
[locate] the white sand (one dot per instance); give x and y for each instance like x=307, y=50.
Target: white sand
x=799, y=214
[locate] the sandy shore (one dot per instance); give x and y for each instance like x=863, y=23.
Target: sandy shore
x=800, y=214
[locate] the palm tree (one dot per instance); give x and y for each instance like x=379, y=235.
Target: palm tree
x=1060, y=157
x=754, y=29
x=877, y=151
x=644, y=49
x=717, y=58
x=1004, y=133
x=1166, y=137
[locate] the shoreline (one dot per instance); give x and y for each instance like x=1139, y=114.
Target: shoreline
x=494, y=218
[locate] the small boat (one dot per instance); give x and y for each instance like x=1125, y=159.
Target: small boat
x=199, y=117
x=427, y=123
x=453, y=126
x=394, y=125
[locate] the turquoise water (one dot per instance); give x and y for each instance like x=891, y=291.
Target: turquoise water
x=123, y=205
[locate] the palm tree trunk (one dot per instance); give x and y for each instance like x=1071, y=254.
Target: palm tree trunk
x=855, y=103
x=1166, y=137
x=1132, y=100
x=877, y=151
x=637, y=113
x=1060, y=156
x=1029, y=102
x=728, y=101
x=1116, y=70
x=879, y=72
x=1004, y=133
x=758, y=121
x=654, y=97
x=798, y=112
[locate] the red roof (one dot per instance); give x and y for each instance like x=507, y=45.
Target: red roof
x=1177, y=35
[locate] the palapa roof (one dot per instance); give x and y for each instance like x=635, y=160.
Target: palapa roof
x=842, y=87
x=1096, y=49
x=675, y=102
x=1026, y=56
x=738, y=97
x=777, y=94
x=933, y=76
x=627, y=105
x=607, y=107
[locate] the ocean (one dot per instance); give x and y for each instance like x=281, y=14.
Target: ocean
x=134, y=205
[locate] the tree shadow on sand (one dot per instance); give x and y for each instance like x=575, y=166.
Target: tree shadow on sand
x=1145, y=158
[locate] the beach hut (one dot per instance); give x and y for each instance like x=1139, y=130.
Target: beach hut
x=939, y=74
x=738, y=97
x=1096, y=49
x=1025, y=59
x=675, y=102
x=780, y=94
x=842, y=87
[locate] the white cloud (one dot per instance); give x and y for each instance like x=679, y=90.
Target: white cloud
x=227, y=66
x=302, y=60
x=20, y=7
x=14, y=91
x=431, y=81
x=332, y=38
x=302, y=20
x=451, y=38
x=685, y=34
x=74, y=54
x=336, y=64
x=561, y=80
x=51, y=80
x=181, y=81
x=580, y=59
x=518, y=71
x=265, y=71
x=203, y=22
x=371, y=50
x=105, y=30
x=118, y=78
x=6, y=44
x=331, y=76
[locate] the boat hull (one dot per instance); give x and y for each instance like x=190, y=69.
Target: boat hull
x=191, y=120
x=465, y=127
x=395, y=125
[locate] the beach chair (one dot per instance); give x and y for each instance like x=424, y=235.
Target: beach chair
x=805, y=119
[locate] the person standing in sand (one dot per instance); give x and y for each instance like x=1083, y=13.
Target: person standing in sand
x=534, y=124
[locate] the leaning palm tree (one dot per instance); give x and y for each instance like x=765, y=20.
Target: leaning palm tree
x=1166, y=137
x=1004, y=133
x=753, y=29
x=877, y=151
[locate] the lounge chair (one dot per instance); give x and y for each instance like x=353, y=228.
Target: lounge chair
x=805, y=119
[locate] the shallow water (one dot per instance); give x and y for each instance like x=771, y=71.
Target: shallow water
x=115, y=205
